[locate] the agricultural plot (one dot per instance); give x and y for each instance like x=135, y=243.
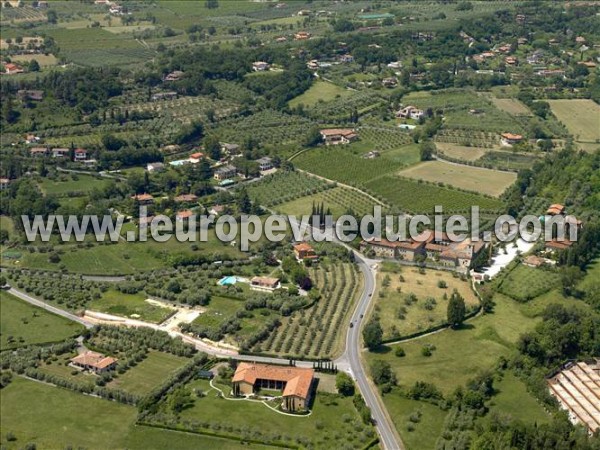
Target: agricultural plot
x=283, y=186
x=409, y=301
x=456, y=105
x=269, y=127
x=43, y=60
x=461, y=152
x=72, y=185
x=511, y=106
x=347, y=164
x=22, y=15
x=314, y=332
x=23, y=324
x=525, y=283
x=580, y=117
x=149, y=373
x=477, y=179
x=320, y=91
x=417, y=197
x=133, y=306
x=508, y=160
x=342, y=107
x=339, y=199
x=468, y=138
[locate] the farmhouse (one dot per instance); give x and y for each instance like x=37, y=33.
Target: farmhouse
x=28, y=94
x=260, y=66
x=294, y=382
x=576, y=388
x=11, y=69
x=80, y=154
x=143, y=199
x=410, y=112
x=185, y=198
x=176, y=75
x=264, y=283
x=196, y=157
x=230, y=149
x=334, y=136
x=94, y=362
x=38, y=151
x=509, y=139
x=303, y=251
x=533, y=261
x=4, y=182
x=155, y=167
x=555, y=210
x=265, y=163
x=558, y=245
x=60, y=152
x=225, y=172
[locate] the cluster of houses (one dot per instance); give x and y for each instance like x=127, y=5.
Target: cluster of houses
x=557, y=209
x=435, y=246
x=79, y=154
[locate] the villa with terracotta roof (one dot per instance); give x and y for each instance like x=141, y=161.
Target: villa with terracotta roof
x=294, y=382
x=185, y=198
x=303, y=251
x=94, y=362
x=334, y=136
x=509, y=139
x=264, y=283
x=143, y=199
x=555, y=210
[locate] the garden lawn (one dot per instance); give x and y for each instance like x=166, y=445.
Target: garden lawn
x=477, y=179
x=319, y=91
x=579, y=116
x=426, y=431
x=31, y=324
x=129, y=305
x=56, y=418
x=513, y=399
x=461, y=354
x=416, y=317
x=149, y=373
x=82, y=185
x=333, y=423
x=524, y=283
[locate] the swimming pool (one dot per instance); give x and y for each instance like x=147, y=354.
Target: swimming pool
x=227, y=281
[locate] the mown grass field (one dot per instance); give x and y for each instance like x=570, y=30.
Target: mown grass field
x=129, y=305
x=460, y=151
x=56, y=418
x=391, y=304
x=426, y=431
x=27, y=324
x=68, y=184
x=334, y=422
x=148, y=374
x=477, y=179
x=414, y=196
x=460, y=354
x=579, y=116
x=511, y=106
x=43, y=60
x=320, y=91
x=509, y=160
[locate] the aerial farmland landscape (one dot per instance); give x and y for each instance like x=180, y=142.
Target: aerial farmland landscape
x=300, y=224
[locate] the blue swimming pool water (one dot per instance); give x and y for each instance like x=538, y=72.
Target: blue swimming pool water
x=227, y=281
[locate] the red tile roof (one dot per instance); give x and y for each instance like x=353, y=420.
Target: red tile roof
x=93, y=359
x=298, y=380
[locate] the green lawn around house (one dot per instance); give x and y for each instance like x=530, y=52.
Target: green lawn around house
x=149, y=373
x=23, y=324
x=319, y=91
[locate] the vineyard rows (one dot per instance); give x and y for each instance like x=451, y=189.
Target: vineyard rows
x=312, y=332
x=283, y=187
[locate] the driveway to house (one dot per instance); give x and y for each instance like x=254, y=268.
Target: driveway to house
x=501, y=260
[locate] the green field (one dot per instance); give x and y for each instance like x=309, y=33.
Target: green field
x=508, y=161
x=414, y=196
x=71, y=185
x=524, y=283
x=513, y=399
x=320, y=91
x=148, y=374
x=511, y=106
x=129, y=305
x=486, y=181
x=27, y=324
x=55, y=418
x=461, y=152
x=461, y=354
x=426, y=431
x=391, y=305
x=334, y=421
x=580, y=117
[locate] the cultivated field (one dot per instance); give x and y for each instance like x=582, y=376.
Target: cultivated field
x=525, y=283
x=581, y=117
x=315, y=331
x=43, y=60
x=149, y=373
x=512, y=398
x=486, y=181
x=23, y=324
x=460, y=151
x=133, y=306
x=409, y=301
x=511, y=106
